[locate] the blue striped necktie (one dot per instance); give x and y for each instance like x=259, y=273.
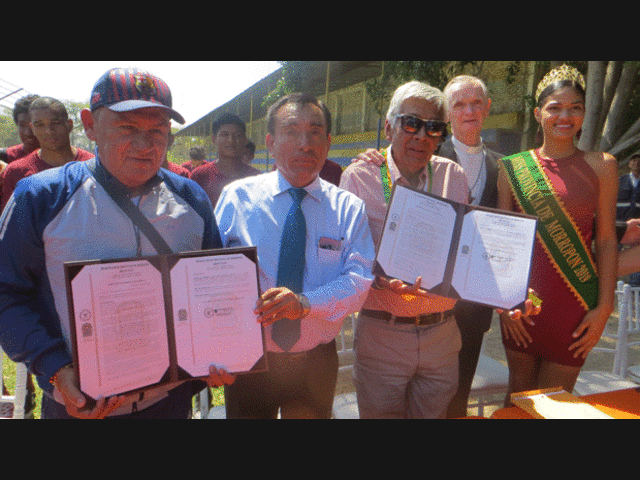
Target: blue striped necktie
x=286, y=332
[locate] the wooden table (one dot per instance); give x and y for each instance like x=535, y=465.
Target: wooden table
x=623, y=404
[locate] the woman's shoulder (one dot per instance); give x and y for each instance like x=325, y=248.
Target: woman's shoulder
x=603, y=163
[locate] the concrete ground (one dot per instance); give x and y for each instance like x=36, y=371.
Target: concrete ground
x=599, y=361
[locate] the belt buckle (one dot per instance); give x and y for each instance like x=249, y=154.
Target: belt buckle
x=431, y=318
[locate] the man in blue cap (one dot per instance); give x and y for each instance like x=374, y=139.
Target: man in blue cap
x=66, y=214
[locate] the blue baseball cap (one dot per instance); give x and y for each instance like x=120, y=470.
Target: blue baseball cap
x=126, y=89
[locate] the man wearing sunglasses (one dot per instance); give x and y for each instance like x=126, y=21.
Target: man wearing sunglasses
x=468, y=108
x=407, y=339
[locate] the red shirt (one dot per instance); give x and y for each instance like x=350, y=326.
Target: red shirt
x=189, y=165
x=16, y=152
x=331, y=172
x=27, y=166
x=213, y=181
x=175, y=168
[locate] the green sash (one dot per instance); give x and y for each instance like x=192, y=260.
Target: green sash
x=556, y=230
x=386, y=176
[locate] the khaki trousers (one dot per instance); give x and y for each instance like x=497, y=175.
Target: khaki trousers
x=405, y=371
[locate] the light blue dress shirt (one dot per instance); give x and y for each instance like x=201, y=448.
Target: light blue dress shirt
x=339, y=249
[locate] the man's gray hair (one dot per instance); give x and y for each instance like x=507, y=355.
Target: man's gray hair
x=463, y=80
x=415, y=89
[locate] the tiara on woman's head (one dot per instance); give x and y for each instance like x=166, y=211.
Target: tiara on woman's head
x=563, y=72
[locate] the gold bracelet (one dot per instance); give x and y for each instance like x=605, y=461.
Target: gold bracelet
x=54, y=379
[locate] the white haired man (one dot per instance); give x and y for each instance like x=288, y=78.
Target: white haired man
x=407, y=339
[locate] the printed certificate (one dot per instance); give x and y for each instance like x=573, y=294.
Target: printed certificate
x=140, y=322
x=477, y=254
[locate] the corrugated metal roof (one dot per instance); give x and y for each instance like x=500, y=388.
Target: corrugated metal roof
x=10, y=94
x=248, y=104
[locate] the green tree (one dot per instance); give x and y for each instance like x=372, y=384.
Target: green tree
x=613, y=108
x=292, y=74
x=179, y=151
x=78, y=137
x=8, y=130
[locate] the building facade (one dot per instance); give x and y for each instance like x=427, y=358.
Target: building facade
x=356, y=122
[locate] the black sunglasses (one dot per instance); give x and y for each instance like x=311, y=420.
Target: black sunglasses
x=412, y=125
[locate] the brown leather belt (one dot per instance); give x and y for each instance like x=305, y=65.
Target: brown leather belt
x=428, y=319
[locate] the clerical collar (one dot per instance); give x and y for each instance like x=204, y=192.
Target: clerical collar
x=464, y=148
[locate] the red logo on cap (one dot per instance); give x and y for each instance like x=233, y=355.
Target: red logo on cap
x=146, y=84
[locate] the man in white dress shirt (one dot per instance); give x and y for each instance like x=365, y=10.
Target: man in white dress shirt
x=338, y=256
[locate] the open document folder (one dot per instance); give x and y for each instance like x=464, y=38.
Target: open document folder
x=478, y=254
x=140, y=322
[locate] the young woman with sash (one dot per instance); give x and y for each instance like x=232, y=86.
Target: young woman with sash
x=565, y=188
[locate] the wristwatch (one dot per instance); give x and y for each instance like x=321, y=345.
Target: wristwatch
x=306, y=307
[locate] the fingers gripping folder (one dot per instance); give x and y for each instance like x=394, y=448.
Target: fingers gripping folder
x=478, y=254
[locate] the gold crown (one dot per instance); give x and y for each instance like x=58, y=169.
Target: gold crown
x=563, y=72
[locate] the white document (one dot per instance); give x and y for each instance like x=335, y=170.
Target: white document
x=494, y=257
x=213, y=302
x=120, y=327
x=164, y=319
x=472, y=253
x=416, y=237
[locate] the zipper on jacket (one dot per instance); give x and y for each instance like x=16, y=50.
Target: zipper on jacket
x=136, y=230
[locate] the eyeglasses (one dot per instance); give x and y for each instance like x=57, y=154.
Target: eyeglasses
x=412, y=125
